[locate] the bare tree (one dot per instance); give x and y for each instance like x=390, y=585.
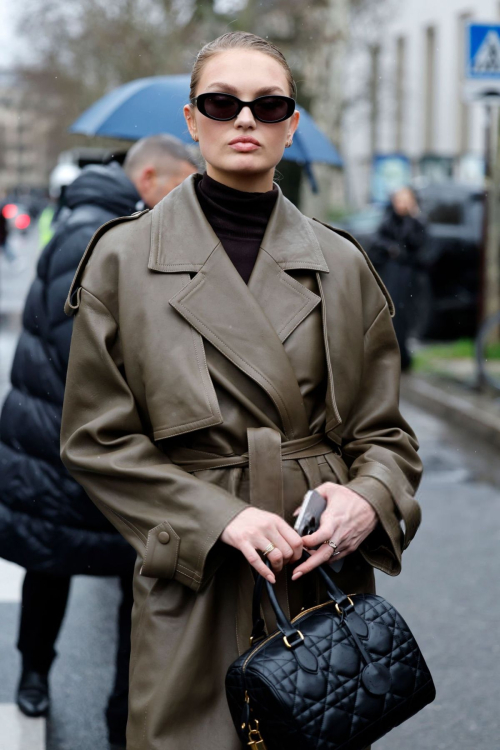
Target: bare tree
x=84, y=48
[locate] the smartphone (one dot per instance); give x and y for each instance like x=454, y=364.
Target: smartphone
x=311, y=510
x=309, y=519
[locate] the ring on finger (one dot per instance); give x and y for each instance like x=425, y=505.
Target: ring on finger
x=269, y=549
x=332, y=544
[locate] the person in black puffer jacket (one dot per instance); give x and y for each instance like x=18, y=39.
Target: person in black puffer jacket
x=48, y=525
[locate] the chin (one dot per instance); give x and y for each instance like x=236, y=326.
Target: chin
x=244, y=163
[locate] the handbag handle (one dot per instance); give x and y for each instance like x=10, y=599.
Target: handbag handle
x=343, y=602
x=375, y=676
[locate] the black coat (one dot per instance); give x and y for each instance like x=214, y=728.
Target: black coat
x=396, y=253
x=47, y=522
x=399, y=239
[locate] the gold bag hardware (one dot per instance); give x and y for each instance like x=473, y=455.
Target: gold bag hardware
x=255, y=740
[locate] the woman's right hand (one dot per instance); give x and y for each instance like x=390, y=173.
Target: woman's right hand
x=253, y=529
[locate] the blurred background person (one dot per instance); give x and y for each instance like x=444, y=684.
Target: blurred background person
x=5, y=247
x=396, y=254
x=61, y=177
x=47, y=523
x=4, y=232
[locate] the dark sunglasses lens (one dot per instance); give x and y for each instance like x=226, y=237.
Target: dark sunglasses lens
x=221, y=107
x=271, y=109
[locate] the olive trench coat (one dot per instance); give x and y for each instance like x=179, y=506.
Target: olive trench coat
x=191, y=394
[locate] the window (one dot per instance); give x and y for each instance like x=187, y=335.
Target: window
x=446, y=213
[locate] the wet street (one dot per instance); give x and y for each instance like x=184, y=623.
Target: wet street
x=447, y=592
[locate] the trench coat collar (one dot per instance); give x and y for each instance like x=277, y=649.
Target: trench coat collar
x=247, y=323
x=182, y=238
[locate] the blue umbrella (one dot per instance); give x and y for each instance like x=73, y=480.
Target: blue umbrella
x=154, y=105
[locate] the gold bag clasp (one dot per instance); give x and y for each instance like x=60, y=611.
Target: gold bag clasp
x=255, y=740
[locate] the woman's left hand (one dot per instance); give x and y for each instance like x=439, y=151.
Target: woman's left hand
x=347, y=520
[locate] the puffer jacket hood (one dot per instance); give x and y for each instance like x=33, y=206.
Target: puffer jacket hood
x=47, y=522
x=105, y=186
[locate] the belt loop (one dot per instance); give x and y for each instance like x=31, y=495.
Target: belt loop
x=265, y=469
x=311, y=470
x=266, y=492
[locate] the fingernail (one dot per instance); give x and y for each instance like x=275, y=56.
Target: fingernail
x=271, y=579
x=296, y=576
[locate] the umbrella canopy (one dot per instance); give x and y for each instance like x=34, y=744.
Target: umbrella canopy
x=154, y=105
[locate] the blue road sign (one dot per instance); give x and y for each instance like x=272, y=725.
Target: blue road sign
x=390, y=172
x=482, y=58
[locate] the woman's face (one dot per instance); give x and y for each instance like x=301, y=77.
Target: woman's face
x=404, y=202
x=247, y=74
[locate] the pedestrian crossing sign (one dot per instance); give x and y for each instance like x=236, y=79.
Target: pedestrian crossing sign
x=482, y=58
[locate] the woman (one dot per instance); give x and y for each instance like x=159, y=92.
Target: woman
x=200, y=408
x=396, y=254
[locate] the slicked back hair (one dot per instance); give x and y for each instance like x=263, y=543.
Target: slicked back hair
x=239, y=40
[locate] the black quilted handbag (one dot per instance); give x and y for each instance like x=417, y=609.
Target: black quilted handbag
x=337, y=677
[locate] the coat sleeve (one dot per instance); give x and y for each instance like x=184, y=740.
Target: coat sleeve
x=381, y=449
x=172, y=519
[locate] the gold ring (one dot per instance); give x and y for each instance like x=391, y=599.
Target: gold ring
x=268, y=549
x=331, y=544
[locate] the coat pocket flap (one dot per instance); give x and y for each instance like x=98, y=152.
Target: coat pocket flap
x=195, y=405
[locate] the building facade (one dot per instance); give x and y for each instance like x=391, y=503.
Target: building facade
x=25, y=161
x=323, y=80
x=406, y=84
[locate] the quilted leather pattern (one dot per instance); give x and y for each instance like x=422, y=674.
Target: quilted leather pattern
x=331, y=710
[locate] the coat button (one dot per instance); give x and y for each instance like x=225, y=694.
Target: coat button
x=164, y=537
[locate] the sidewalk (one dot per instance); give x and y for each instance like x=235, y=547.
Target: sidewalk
x=16, y=731
x=476, y=414
x=15, y=280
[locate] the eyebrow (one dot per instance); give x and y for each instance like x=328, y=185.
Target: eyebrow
x=226, y=87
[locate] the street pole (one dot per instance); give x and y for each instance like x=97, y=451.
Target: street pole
x=374, y=97
x=491, y=259
x=482, y=85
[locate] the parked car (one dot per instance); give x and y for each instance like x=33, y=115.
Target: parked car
x=446, y=304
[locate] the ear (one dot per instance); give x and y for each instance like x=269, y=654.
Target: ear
x=190, y=121
x=294, y=124
x=146, y=175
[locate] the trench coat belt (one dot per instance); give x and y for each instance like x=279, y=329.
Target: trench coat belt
x=264, y=459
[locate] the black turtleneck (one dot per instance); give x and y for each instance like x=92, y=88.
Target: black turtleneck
x=239, y=219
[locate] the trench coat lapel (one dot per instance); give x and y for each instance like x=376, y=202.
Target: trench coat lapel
x=284, y=301
x=248, y=324
x=219, y=305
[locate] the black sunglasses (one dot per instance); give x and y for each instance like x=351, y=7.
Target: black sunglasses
x=225, y=107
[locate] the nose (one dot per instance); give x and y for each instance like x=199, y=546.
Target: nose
x=245, y=118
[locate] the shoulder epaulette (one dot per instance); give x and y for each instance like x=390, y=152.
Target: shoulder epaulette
x=356, y=244
x=73, y=299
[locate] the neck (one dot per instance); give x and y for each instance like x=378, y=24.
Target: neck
x=249, y=183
